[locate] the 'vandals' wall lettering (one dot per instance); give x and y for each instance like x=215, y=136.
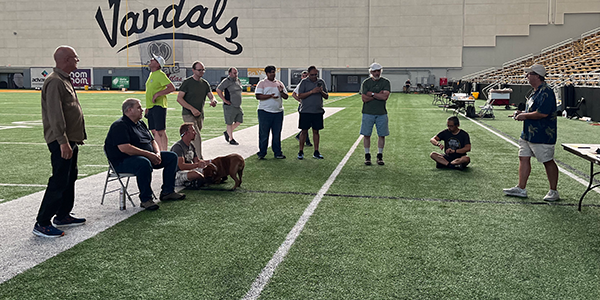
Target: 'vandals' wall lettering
x=196, y=17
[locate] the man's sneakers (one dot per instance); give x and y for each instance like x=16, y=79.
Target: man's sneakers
x=280, y=156
x=68, y=221
x=308, y=144
x=301, y=155
x=47, y=231
x=172, y=196
x=233, y=142
x=226, y=136
x=149, y=205
x=317, y=155
x=379, y=159
x=552, y=196
x=516, y=191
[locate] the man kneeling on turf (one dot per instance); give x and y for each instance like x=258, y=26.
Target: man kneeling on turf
x=456, y=145
x=131, y=149
x=189, y=166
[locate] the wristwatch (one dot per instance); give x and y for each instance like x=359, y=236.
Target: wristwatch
x=372, y=94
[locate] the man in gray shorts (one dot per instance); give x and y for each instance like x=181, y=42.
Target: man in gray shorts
x=311, y=92
x=538, y=137
x=230, y=91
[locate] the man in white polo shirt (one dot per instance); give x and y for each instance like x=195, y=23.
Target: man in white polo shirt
x=269, y=93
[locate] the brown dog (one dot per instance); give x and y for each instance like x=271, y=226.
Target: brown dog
x=232, y=165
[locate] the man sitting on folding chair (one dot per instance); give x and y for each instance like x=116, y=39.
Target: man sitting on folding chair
x=456, y=144
x=131, y=149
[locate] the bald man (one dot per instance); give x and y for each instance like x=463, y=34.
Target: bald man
x=64, y=130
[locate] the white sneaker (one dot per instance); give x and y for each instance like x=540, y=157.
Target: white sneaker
x=552, y=196
x=516, y=192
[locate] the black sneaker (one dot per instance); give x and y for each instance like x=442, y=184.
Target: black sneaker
x=68, y=221
x=149, y=205
x=298, y=136
x=380, y=159
x=280, y=156
x=301, y=155
x=226, y=136
x=47, y=231
x=317, y=155
x=233, y=142
x=368, y=159
x=260, y=157
x=309, y=144
x=172, y=196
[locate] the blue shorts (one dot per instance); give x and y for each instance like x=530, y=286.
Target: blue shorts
x=381, y=121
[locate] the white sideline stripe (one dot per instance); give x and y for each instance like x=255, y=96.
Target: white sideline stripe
x=19, y=184
x=265, y=276
x=573, y=176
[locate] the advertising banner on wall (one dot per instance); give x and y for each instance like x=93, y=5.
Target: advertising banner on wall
x=176, y=75
x=119, y=82
x=38, y=75
x=260, y=73
x=79, y=77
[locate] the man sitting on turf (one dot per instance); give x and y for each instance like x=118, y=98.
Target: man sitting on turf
x=189, y=167
x=131, y=149
x=456, y=145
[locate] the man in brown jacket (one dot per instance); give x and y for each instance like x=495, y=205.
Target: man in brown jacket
x=64, y=129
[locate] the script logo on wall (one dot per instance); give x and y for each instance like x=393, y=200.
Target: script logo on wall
x=138, y=23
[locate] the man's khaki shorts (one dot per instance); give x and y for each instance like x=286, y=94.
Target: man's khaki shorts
x=543, y=152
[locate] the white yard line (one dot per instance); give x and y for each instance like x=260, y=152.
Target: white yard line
x=265, y=276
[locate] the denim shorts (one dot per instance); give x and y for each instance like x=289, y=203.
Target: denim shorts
x=381, y=121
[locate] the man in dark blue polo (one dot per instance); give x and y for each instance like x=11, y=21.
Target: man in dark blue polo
x=131, y=149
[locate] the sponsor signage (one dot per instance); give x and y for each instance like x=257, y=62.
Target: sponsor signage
x=38, y=75
x=245, y=81
x=119, y=82
x=175, y=74
x=79, y=77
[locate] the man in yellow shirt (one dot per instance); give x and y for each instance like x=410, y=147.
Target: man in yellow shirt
x=158, y=86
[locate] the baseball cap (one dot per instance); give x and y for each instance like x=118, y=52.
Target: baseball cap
x=159, y=59
x=536, y=68
x=375, y=67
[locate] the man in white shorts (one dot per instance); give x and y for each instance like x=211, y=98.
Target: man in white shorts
x=538, y=137
x=189, y=166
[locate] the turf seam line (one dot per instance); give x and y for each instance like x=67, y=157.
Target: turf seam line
x=561, y=169
x=265, y=276
x=410, y=198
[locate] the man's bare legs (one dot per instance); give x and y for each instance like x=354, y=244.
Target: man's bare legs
x=161, y=139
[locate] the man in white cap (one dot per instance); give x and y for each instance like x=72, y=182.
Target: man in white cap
x=538, y=137
x=375, y=91
x=158, y=86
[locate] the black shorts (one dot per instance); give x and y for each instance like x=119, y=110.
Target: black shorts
x=157, y=118
x=310, y=120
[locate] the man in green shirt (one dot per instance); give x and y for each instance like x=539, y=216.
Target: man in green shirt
x=375, y=91
x=192, y=95
x=158, y=86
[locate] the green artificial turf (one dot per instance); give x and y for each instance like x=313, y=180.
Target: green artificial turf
x=405, y=230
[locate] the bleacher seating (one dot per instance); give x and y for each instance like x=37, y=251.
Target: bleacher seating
x=568, y=62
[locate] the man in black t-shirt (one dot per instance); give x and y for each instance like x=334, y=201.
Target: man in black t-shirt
x=456, y=145
x=131, y=148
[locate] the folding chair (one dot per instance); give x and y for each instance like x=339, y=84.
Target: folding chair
x=573, y=112
x=113, y=175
